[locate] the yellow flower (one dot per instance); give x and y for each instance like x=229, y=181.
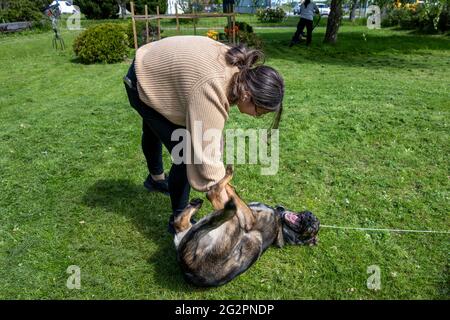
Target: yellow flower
x=213, y=34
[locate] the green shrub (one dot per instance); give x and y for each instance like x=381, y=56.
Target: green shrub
x=243, y=26
x=428, y=17
x=394, y=16
x=22, y=10
x=271, y=15
x=42, y=25
x=106, y=42
x=141, y=33
x=250, y=39
x=244, y=34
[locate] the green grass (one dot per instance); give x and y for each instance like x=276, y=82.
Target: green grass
x=364, y=142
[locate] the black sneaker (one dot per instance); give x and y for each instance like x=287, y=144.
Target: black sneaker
x=160, y=185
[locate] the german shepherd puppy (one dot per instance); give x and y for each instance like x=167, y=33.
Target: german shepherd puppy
x=228, y=241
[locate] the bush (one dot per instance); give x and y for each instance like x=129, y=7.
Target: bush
x=394, y=17
x=106, y=42
x=42, y=25
x=141, y=33
x=244, y=26
x=428, y=17
x=238, y=27
x=271, y=15
x=22, y=10
x=250, y=39
x=244, y=34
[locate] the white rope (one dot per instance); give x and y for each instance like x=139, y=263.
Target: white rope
x=389, y=230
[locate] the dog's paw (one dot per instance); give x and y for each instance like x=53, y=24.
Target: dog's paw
x=197, y=202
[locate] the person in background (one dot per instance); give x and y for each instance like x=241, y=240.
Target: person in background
x=307, y=10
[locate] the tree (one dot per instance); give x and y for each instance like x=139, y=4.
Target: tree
x=384, y=4
x=99, y=9
x=353, y=5
x=334, y=21
x=152, y=4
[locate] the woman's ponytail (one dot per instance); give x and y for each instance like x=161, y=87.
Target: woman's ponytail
x=243, y=57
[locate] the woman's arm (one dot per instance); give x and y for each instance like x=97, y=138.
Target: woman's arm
x=205, y=120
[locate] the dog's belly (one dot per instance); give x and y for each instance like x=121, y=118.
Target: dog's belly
x=211, y=240
x=213, y=258
x=220, y=257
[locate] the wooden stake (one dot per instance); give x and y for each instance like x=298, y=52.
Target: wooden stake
x=159, y=23
x=234, y=31
x=176, y=16
x=134, y=25
x=193, y=21
x=146, y=23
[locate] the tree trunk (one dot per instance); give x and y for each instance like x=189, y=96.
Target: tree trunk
x=4, y=4
x=334, y=21
x=384, y=12
x=353, y=11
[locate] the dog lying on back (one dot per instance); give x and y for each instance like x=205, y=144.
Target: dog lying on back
x=228, y=241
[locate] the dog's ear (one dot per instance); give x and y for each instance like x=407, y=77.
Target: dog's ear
x=279, y=240
x=196, y=202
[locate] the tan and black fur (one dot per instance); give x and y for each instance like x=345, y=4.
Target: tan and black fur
x=228, y=241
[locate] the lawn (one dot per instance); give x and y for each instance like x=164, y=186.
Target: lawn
x=364, y=142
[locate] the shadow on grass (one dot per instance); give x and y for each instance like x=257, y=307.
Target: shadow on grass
x=76, y=60
x=357, y=49
x=150, y=214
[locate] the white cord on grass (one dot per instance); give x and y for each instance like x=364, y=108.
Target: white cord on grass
x=388, y=230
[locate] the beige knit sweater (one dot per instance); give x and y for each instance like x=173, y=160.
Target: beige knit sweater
x=185, y=78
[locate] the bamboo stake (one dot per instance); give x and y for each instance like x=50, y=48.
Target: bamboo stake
x=159, y=23
x=146, y=23
x=134, y=25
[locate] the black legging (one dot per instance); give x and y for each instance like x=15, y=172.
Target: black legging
x=300, y=26
x=157, y=130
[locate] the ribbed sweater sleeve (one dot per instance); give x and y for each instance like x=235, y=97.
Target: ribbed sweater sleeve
x=205, y=119
x=185, y=79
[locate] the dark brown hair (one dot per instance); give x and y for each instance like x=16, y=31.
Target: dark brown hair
x=264, y=84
